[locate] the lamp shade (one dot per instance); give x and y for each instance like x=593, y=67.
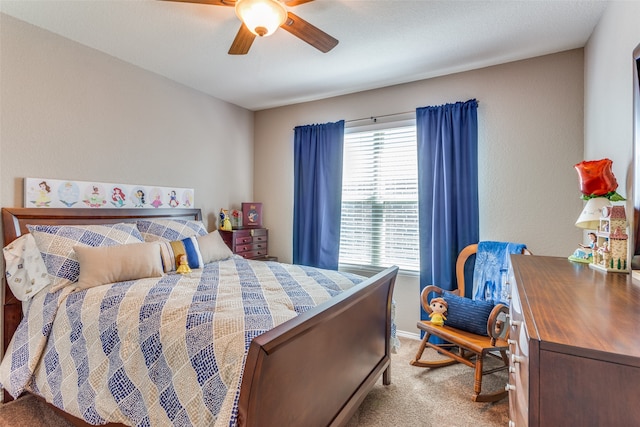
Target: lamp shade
x=591, y=213
x=262, y=17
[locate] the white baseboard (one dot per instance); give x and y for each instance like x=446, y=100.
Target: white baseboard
x=409, y=335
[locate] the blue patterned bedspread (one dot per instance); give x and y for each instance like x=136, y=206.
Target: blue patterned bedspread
x=157, y=352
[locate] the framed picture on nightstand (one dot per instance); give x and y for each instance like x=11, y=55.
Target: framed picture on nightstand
x=251, y=214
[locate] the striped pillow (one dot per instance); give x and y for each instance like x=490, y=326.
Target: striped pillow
x=467, y=314
x=170, y=251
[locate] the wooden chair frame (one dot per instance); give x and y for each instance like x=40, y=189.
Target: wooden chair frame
x=466, y=347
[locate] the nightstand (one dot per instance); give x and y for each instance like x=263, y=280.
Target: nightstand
x=250, y=243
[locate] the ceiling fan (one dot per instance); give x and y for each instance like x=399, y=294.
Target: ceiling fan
x=263, y=17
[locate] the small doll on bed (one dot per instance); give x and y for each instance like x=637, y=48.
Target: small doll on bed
x=438, y=311
x=183, y=265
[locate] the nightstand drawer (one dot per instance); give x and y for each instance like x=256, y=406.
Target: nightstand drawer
x=251, y=247
x=253, y=254
x=242, y=240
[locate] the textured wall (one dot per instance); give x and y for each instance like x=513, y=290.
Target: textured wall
x=530, y=136
x=608, y=85
x=71, y=112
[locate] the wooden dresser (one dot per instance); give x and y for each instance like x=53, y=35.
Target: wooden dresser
x=574, y=345
x=251, y=243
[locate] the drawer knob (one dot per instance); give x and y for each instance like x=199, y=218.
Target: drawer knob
x=512, y=342
x=516, y=359
x=510, y=387
x=512, y=369
x=512, y=424
x=515, y=323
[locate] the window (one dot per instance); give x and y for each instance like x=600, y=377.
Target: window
x=379, y=225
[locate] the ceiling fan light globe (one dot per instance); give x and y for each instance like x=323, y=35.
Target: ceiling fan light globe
x=262, y=17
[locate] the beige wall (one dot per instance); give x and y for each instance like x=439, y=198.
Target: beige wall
x=71, y=112
x=608, y=91
x=530, y=136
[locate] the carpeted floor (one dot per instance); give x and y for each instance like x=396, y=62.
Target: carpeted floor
x=416, y=397
x=29, y=411
x=431, y=398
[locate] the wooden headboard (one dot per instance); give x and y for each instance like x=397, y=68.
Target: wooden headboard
x=15, y=221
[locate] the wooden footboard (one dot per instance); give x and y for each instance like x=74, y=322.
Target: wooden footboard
x=316, y=369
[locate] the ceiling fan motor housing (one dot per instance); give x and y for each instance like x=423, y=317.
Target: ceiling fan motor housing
x=262, y=17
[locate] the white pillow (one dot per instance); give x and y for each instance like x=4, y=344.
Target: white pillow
x=24, y=268
x=213, y=248
x=111, y=264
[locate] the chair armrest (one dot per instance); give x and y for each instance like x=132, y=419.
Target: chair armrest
x=424, y=295
x=496, y=324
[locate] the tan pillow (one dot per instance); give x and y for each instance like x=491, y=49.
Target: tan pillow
x=213, y=248
x=110, y=264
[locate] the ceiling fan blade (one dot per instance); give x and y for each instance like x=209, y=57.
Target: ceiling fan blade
x=211, y=2
x=292, y=3
x=308, y=33
x=242, y=43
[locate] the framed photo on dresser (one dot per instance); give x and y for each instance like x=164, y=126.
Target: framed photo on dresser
x=252, y=214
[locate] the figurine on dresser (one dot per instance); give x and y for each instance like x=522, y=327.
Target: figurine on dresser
x=612, y=240
x=607, y=249
x=225, y=222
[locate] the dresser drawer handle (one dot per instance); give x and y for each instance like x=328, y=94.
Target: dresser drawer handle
x=516, y=323
x=512, y=342
x=516, y=359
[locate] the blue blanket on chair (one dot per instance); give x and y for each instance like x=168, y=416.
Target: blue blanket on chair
x=491, y=270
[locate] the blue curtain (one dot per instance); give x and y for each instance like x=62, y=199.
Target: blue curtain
x=318, y=152
x=448, y=189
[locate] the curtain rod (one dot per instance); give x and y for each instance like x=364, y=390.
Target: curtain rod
x=375, y=118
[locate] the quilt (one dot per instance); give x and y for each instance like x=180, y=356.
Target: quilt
x=163, y=351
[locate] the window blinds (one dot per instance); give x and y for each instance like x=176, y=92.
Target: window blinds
x=379, y=225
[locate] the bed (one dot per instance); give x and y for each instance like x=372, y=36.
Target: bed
x=312, y=368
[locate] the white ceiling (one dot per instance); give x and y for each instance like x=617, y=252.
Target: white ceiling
x=382, y=42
